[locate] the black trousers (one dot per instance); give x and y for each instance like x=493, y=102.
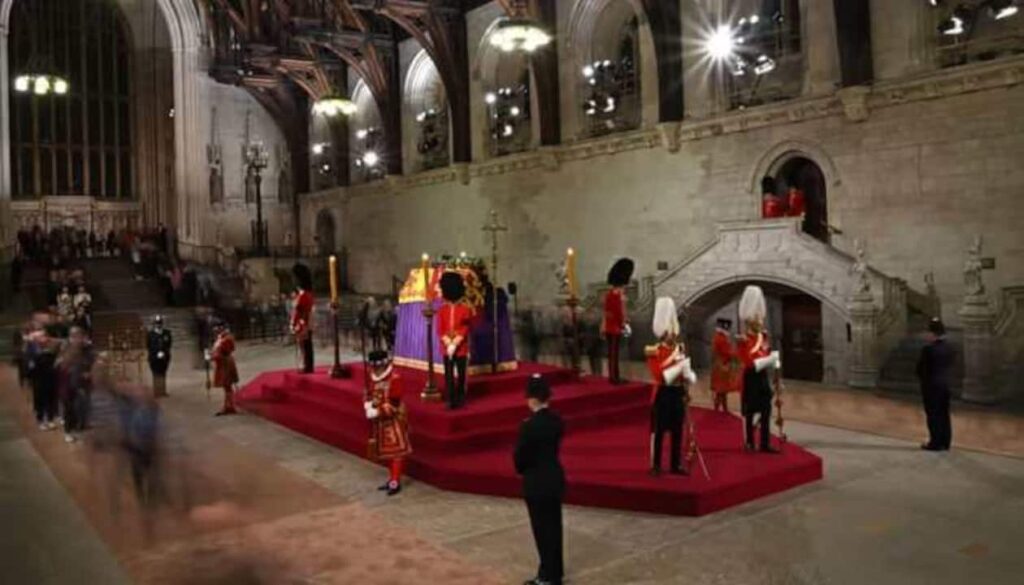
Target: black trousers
x=764, y=424
x=614, y=341
x=44, y=401
x=936, y=410
x=455, y=380
x=546, y=522
x=668, y=416
x=75, y=410
x=307, y=354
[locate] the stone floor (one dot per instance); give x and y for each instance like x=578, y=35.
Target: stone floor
x=285, y=509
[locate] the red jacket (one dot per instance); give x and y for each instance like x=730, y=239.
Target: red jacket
x=773, y=207
x=302, y=314
x=749, y=349
x=723, y=375
x=614, y=312
x=453, y=320
x=657, y=363
x=796, y=203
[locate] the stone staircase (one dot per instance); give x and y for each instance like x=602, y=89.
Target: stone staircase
x=899, y=370
x=114, y=287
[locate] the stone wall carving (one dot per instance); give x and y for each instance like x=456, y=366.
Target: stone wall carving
x=78, y=212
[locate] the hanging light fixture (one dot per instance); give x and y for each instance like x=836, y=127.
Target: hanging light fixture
x=518, y=32
x=39, y=76
x=334, y=105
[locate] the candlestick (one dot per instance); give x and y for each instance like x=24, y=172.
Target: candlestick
x=570, y=271
x=334, y=279
x=430, y=392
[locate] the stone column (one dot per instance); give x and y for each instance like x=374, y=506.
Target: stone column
x=863, y=359
x=978, y=319
x=820, y=50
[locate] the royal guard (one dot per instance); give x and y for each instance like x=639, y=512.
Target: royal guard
x=723, y=365
x=795, y=204
x=389, y=433
x=302, y=315
x=757, y=359
x=615, y=322
x=670, y=373
x=225, y=372
x=158, y=344
x=771, y=204
x=453, y=322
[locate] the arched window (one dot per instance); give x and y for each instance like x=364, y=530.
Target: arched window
x=79, y=142
x=611, y=97
x=426, y=106
x=507, y=99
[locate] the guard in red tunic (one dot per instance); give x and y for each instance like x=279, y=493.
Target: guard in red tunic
x=795, y=205
x=723, y=365
x=453, y=322
x=302, y=315
x=225, y=372
x=757, y=359
x=771, y=204
x=389, y=434
x=615, y=322
x=670, y=373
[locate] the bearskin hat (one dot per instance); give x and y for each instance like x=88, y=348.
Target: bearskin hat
x=303, y=277
x=724, y=323
x=666, y=318
x=768, y=185
x=453, y=287
x=378, y=358
x=621, y=272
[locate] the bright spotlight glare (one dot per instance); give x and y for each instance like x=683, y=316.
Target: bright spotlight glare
x=371, y=158
x=490, y=98
x=361, y=134
x=514, y=111
x=721, y=44
x=42, y=85
x=21, y=83
x=1006, y=12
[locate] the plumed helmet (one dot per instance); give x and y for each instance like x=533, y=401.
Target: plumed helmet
x=303, y=277
x=621, y=272
x=666, y=318
x=378, y=358
x=453, y=287
x=752, y=305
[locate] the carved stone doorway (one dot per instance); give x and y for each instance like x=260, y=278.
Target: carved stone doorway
x=806, y=175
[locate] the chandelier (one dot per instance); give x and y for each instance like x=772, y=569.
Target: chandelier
x=41, y=84
x=332, y=106
x=518, y=32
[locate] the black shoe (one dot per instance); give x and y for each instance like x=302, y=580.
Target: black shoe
x=384, y=487
x=930, y=447
x=394, y=487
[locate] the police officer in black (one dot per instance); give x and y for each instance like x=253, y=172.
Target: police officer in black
x=536, y=459
x=933, y=369
x=158, y=342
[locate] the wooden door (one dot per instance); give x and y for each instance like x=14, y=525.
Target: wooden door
x=802, y=351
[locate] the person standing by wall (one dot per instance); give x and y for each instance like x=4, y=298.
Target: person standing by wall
x=933, y=368
x=537, y=461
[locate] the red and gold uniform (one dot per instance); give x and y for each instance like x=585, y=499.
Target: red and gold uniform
x=773, y=206
x=302, y=327
x=389, y=438
x=723, y=369
x=796, y=204
x=669, y=368
x=757, y=387
x=454, y=320
x=225, y=372
x=614, y=326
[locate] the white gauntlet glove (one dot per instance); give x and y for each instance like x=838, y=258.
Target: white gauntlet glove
x=681, y=368
x=371, y=412
x=627, y=331
x=451, y=350
x=771, y=361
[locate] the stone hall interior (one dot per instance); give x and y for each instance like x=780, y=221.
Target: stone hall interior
x=511, y=291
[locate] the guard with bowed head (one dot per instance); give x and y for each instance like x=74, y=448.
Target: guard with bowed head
x=757, y=360
x=671, y=372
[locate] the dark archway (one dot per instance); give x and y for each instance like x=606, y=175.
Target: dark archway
x=325, y=233
x=806, y=175
x=794, y=324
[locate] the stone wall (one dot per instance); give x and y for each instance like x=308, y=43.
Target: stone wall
x=934, y=162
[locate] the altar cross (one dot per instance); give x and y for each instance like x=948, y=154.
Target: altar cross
x=494, y=227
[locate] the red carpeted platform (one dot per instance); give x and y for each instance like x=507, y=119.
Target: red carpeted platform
x=605, y=451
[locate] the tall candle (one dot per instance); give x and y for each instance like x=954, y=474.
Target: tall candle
x=425, y=266
x=334, y=279
x=570, y=271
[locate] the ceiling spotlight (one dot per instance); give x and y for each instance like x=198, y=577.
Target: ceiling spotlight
x=507, y=131
x=952, y=26
x=514, y=111
x=609, y=105
x=1001, y=9
x=41, y=86
x=371, y=158
x=721, y=44
x=361, y=134
x=490, y=98
x=60, y=86
x=318, y=148
x=588, y=71
x=764, y=64
x=21, y=83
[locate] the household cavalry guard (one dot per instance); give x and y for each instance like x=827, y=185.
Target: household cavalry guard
x=670, y=372
x=302, y=315
x=158, y=345
x=389, y=429
x=757, y=359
